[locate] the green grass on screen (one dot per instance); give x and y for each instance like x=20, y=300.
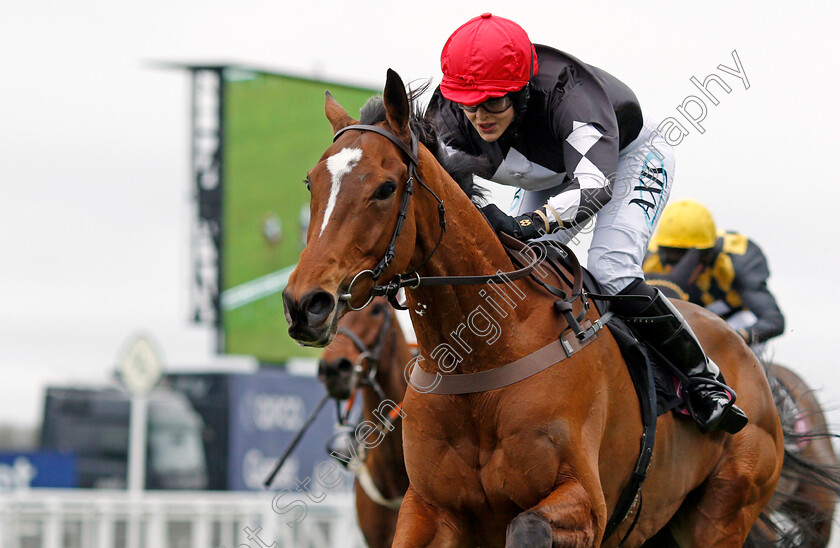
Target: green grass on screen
x=275, y=131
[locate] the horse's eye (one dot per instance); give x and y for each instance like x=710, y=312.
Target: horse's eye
x=384, y=190
x=306, y=182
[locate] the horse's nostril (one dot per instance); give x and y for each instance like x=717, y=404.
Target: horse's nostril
x=320, y=302
x=318, y=306
x=344, y=365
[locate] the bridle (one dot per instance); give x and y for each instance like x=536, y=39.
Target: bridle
x=391, y=289
x=371, y=354
x=412, y=279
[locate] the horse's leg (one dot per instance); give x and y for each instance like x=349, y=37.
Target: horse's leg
x=565, y=519
x=420, y=524
x=730, y=501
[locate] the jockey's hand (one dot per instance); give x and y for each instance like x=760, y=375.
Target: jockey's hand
x=521, y=227
x=687, y=269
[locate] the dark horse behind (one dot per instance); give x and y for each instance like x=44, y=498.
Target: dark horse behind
x=801, y=512
x=368, y=356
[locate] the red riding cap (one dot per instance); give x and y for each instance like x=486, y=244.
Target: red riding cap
x=486, y=57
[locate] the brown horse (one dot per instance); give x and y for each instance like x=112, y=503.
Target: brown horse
x=541, y=462
x=801, y=512
x=369, y=355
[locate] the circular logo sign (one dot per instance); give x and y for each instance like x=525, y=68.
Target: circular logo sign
x=140, y=368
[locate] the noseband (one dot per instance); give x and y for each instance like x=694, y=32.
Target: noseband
x=372, y=354
x=412, y=279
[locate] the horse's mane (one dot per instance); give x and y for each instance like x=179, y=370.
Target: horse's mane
x=460, y=166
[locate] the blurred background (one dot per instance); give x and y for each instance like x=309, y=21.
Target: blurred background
x=112, y=172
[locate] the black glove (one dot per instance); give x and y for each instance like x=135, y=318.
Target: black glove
x=521, y=227
x=678, y=282
x=685, y=272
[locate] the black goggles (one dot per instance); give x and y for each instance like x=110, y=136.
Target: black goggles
x=496, y=105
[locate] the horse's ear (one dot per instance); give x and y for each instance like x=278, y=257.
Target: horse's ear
x=396, y=105
x=336, y=114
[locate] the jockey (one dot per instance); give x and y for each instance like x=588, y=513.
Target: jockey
x=574, y=140
x=725, y=272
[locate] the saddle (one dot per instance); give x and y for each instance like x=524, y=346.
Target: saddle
x=638, y=354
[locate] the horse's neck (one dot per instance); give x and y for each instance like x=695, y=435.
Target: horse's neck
x=474, y=325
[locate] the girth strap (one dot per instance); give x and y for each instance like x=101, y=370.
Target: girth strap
x=631, y=495
x=365, y=480
x=358, y=466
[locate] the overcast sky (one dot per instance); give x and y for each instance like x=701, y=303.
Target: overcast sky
x=95, y=196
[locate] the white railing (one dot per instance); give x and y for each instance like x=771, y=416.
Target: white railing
x=77, y=518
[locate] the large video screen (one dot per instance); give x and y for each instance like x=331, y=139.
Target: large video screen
x=275, y=130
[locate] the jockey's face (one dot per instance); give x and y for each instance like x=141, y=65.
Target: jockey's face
x=669, y=256
x=490, y=125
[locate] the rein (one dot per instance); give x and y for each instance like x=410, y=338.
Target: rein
x=412, y=279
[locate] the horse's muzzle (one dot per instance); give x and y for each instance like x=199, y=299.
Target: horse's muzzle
x=309, y=318
x=337, y=376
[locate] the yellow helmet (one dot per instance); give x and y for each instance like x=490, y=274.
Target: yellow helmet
x=684, y=224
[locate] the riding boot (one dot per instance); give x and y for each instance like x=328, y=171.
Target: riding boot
x=659, y=323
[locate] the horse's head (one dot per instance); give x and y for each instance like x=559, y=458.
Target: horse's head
x=357, y=191
x=355, y=357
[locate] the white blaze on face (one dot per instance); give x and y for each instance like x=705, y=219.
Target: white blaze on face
x=339, y=165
